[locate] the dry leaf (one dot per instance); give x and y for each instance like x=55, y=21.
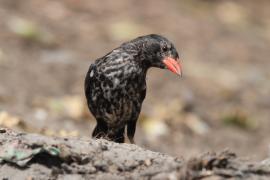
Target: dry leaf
x=154, y=128
x=122, y=31
x=48, y=132
x=60, y=133
x=64, y=133
x=8, y=120
x=29, y=30
x=72, y=106
x=240, y=119
x=171, y=111
x=196, y=124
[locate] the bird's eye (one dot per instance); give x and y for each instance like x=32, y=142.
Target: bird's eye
x=164, y=48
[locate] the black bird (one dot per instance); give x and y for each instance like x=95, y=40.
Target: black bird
x=115, y=84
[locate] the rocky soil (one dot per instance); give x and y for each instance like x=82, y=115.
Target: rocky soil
x=33, y=156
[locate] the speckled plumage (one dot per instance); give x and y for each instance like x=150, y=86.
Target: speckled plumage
x=115, y=84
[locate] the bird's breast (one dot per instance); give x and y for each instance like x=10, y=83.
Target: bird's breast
x=116, y=93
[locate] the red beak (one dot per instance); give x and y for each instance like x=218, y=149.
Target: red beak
x=173, y=65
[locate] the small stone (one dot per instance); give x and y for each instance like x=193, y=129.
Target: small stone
x=3, y=131
x=148, y=162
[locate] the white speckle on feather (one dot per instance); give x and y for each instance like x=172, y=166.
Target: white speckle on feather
x=91, y=73
x=94, y=97
x=116, y=81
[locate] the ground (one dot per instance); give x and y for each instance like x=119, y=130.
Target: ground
x=221, y=102
x=33, y=156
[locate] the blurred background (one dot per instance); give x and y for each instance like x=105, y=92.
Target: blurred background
x=222, y=101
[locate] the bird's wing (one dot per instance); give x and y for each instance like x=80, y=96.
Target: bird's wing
x=117, y=64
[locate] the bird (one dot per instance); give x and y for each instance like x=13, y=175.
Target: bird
x=115, y=84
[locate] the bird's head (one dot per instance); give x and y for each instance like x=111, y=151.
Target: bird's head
x=160, y=52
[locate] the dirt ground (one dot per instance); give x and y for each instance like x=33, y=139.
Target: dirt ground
x=33, y=156
x=221, y=102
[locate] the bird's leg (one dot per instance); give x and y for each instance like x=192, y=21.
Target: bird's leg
x=100, y=129
x=131, y=128
x=120, y=138
x=117, y=136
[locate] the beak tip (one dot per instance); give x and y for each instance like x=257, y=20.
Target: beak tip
x=173, y=66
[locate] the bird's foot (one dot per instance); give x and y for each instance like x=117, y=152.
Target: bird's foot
x=131, y=140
